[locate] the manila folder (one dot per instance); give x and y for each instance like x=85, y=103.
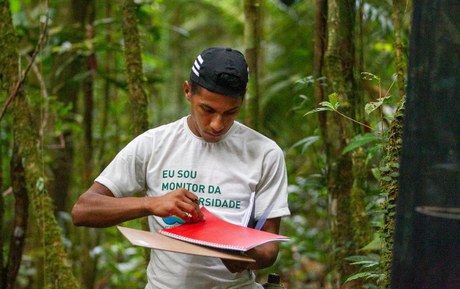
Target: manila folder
x=155, y=240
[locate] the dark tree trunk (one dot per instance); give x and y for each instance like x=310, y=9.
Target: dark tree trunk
x=320, y=42
x=426, y=249
x=74, y=16
x=21, y=213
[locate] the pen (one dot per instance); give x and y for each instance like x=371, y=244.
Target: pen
x=194, y=200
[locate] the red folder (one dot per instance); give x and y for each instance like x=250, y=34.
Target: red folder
x=217, y=233
x=156, y=241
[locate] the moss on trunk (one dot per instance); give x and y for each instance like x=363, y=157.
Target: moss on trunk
x=57, y=271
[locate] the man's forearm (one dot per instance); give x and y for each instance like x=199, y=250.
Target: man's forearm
x=265, y=255
x=98, y=208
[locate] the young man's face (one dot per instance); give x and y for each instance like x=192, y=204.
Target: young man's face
x=212, y=114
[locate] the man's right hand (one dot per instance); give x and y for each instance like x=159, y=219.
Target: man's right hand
x=180, y=203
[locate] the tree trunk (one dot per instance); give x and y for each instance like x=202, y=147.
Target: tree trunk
x=109, y=95
x=399, y=58
x=426, y=250
x=252, y=38
x=21, y=209
x=89, y=236
x=57, y=272
x=10, y=269
x=390, y=161
x=176, y=45
x=389, y=174
x=344, y=188
x=2, y=200
x=73, y=16
x=320, y=42
x=134, y=73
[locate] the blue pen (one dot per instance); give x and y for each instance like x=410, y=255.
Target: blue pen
x=263, y=218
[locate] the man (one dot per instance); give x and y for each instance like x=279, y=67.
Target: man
x=204, y=159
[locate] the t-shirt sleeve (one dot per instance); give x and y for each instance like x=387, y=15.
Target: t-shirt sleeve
x=125, y=175
x=272, y=188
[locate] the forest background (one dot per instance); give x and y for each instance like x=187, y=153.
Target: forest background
x=327, y=84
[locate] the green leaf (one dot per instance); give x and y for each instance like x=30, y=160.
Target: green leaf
x=386, y=179
x=371, y=106
x=375, y=244
x=357, y=276
x=357, y=258
x=394, y=175
x=328, y=105
x=359, y=141
x=318, y=110
x=306, y=142
x=333, y=99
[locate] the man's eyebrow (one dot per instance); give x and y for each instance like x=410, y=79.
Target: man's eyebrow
x=204, y=105
x=210, y=108
x=233, y=109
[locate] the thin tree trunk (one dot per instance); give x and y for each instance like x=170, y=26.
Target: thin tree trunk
x=57, y=273
x=399, y=59
x=320, y=42
x=73, y=15
x=134, y=72
x=21, y=213
x=175, y=56
x=2, y=212
x=361, y=229
x=89, y=100
x=109, y=93
x=340, y=61
x=252, y=39
x=90, y=237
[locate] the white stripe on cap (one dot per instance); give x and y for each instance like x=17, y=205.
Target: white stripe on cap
x=195, y=71
x=197, y=65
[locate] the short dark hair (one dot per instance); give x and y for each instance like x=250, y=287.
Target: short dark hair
x=195, y=88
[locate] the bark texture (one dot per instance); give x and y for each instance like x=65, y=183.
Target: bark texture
x=57, y=271
x=252, y=39
x=134, y=71
x=345, y=172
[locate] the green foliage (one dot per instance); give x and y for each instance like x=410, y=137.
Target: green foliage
x=120, y=264
x=301, y=260
x=172, y=33
x=361, y=140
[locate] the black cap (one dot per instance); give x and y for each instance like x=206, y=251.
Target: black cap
x=221, y=70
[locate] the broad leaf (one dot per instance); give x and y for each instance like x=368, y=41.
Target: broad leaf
x=359, y=141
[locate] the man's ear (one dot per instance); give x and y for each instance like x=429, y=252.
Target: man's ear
x=187, y=90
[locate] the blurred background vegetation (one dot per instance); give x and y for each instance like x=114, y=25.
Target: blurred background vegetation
x=79, y=101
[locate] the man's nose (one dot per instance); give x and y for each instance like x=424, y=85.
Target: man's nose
x=217, y=123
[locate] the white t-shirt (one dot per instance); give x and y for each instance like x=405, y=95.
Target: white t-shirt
x=235, y=178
